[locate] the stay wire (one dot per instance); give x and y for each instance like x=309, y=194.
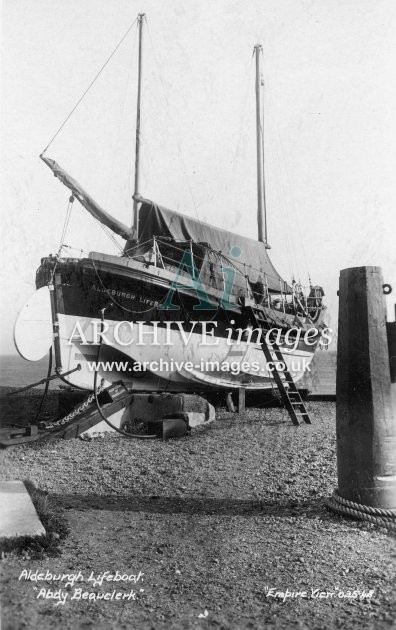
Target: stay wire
x=111, y=237
x=66, y=223
x=89, y=86
x=62, y=239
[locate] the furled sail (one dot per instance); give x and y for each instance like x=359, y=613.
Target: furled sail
x=158, y=221
x=253, y=261
x=89, y=204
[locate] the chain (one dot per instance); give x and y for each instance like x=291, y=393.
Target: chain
x=72, y=414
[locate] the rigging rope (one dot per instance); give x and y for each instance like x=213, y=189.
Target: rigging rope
x=90, y=85
x=64, y=230
x=111, y=236
x=66, y=223
x=62, y=245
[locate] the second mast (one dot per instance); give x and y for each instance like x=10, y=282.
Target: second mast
x=136, y=193
x=261, y=205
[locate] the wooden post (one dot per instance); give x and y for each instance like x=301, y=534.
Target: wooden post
x=241, y=399
x=366, y=399
x=391, y=330
x=230, y=403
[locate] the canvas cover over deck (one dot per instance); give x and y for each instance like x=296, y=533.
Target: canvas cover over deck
x=155, y=220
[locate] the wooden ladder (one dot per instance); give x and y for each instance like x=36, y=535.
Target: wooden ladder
x=291, y=397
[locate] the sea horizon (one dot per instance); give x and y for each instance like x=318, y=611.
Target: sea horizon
x=17, y=372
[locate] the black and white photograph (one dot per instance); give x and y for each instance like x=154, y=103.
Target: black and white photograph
x=198, y=314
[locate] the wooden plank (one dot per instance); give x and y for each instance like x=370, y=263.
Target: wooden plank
x=241, y=399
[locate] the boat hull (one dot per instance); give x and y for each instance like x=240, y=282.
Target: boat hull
x=179, y=360
x=178, y=349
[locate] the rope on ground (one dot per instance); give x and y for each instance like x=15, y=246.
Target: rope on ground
x=377, y=516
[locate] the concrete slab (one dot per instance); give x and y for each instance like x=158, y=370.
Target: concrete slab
x=18, y=516
x=196, y=418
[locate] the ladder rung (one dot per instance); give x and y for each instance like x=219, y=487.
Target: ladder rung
x=284, y=380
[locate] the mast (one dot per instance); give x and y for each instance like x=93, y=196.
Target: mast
x=136, y=193
x=261, y=206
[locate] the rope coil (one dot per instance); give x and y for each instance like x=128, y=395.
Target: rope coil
x=377, y=516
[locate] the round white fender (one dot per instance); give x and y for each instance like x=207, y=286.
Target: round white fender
x=33, y=327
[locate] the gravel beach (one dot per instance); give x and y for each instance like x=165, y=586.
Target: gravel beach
x=214, y=521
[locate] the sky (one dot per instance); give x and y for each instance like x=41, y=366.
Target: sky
x=329, y=70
